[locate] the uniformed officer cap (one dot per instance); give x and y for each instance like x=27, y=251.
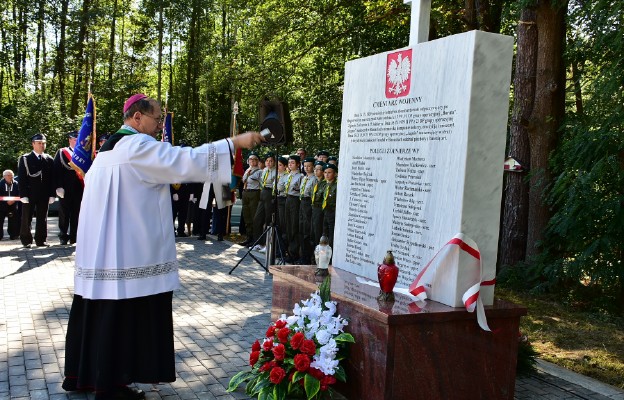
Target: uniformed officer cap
x=295, y=157
x=72, y=134
x=321, y=163
x=39, y=137
x=309, y=159
x=103, y=137
x=282, y=160
x=331, y=166
x=322, y=153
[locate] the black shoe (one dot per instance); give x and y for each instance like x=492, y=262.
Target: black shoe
x=201, y=237
x=43, y=244
x=182, y=234
x=63, y=242
x=14, y=237
x=28, y=246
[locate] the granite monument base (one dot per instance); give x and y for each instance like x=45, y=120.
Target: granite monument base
x=408, y=350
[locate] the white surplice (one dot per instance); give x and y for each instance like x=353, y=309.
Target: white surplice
x=126, y=243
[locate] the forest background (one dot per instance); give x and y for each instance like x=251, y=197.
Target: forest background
x=562, y=221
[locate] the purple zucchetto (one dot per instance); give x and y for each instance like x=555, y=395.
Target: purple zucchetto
x=133, y=99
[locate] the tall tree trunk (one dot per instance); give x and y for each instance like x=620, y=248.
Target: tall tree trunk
x=40, y=38
x=111, y=54
x=578, y=95
x=160, y=51
x=484, y=15
x=548, y=112
x=79, y=57
x=60, y=56
x=513, y=237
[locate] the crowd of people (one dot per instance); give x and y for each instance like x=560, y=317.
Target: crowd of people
x=304, y=190
x=40, y=180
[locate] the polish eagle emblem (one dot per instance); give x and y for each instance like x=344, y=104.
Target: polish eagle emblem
x=398, y=74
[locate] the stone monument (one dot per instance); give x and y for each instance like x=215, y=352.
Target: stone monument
x=422, y=148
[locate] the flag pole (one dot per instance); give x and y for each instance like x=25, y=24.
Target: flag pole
x=93, y=131
x=234, y=113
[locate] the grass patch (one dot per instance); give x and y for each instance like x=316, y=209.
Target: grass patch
x=587, y=343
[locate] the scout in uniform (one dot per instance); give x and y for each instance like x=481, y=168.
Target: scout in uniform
x=251, y=195
x=316, y=224
x=329, y=201
x=264, y=211
x=305, y=212
x=293, y=185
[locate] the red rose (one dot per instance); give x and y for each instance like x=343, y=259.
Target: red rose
x=270, y=332
x=267, y=366
x=268, y=345
x=296, y=340
x=276, y=375
x=279, y=352
x=316, y=373
x=282, y=335
x=308, y=347
x=253, y=357
x=255, y=346
x=302, y=362
x=328, y=380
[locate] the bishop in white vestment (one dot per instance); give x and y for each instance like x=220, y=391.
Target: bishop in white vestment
x=120, y=328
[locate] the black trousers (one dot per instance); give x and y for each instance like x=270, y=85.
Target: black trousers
x=329, y=220
x=305, y=230
x=316, y=225
x=69, y=212
x=292, y=225
x=11, y=213
x=264, y=211
x=39, y=209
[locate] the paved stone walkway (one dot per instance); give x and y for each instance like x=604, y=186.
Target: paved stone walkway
x=217, y=317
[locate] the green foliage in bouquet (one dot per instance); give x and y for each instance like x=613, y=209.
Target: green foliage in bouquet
x=301, y=355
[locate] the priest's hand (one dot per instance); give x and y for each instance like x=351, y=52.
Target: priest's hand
x=25, y=200
x=248, y=140
x=51, y=200
x=60, y=192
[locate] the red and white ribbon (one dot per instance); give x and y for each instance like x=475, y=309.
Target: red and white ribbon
x=463, y=254
x=9, y=198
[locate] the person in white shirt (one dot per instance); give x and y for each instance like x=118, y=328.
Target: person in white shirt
x=120, y=327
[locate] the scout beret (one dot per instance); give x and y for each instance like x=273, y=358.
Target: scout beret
x=309, y=159
x=331, y=166
x=322, y=153
x=295, y=157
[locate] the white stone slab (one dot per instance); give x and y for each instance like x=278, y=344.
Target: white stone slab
x=422, y=159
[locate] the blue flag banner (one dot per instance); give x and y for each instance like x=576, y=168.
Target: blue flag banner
x=167, y=133
x=85, y=145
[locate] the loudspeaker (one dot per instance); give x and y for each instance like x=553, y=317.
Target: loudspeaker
x=275, y=117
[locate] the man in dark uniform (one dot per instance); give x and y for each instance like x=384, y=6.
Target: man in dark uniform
x=36, y=173
x=317, y=203
x=305, y=212
x=180, y=195
x=9, y=206
x=292, y=188
x=69, y=188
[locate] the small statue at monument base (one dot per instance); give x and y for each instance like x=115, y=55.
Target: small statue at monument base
x=322, y=255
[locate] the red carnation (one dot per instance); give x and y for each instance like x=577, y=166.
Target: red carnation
x=279, y=352
x=268, y=345
x=253, y=357
x=282, y=335
x=280, y=323
x=316, y=373
x=308, y=347
x=276, y=375
x=296, y=340
x=326, y=381
x=255, y=346
x=302, y=362
x=270, y=332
